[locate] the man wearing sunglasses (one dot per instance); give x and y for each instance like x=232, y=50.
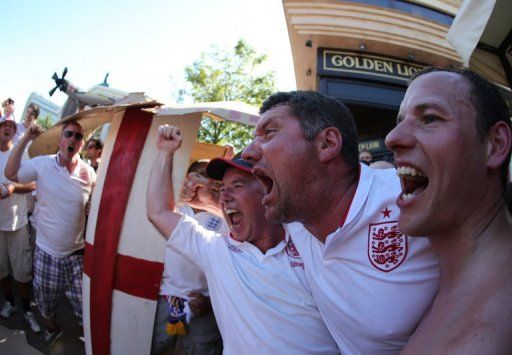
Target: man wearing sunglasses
x=64, y=185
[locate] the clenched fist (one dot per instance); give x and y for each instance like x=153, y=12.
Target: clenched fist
x=169, y=138
x=33, y=131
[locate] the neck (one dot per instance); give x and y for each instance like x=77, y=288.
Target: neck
x=465, y=243
x=335, y=197
x=67, y=163
x=269, y=238
x=5, y=145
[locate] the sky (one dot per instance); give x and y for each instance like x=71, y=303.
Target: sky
x=144, y=45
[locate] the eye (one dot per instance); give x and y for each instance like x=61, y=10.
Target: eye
x=428, y=119
x=269, y=131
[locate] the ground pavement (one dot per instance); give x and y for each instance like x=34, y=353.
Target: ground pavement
x=16, y=337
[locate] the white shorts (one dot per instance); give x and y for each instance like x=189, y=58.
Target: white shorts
x=16, y=254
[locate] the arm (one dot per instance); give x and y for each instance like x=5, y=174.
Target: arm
x=160, y=197
x=13, y=163
x=18, y=188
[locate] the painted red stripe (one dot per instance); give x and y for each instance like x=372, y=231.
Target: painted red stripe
x=116, y=191
x=134, y=276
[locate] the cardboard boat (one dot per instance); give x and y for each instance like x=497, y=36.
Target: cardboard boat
x=124, y=253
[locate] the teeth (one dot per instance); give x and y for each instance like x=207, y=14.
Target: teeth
x=406, y=197
x=230, y=211
x=407, y=170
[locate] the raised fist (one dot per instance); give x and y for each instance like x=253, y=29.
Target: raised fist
x=34, y=130
x=169, y=138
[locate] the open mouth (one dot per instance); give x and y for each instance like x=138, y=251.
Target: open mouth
x=234, y=216
x=413, y=181
x=71, y=149
x=266, y=181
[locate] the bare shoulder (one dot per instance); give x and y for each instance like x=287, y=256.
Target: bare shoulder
x=472, y=313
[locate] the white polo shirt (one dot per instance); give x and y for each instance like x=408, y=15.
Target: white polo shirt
x=61, y=199
x=180, y=276
x=372, y=284
x=13, y=209
x=262, y=302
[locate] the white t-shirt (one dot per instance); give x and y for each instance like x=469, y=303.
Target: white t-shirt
x=180, y=276
x=262, y=302
x=13, y=209
x=372, y=284
x=20, y=130
x=61, y=199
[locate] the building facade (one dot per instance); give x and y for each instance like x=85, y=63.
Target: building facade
x=47, y=108
x=364, y=51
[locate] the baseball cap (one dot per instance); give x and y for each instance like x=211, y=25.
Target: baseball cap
x=218, y=166
x=8, y=119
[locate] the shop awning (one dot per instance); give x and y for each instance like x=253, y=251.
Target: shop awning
x=482, y=35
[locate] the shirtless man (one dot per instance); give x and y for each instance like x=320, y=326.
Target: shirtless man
x=452, y=148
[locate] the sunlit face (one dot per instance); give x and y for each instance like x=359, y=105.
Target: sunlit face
x=7, y=131
x=30, y=116
x=71, y=141
x=240, y=200
x=284, y=161
x=440, y=159
x=9, y=109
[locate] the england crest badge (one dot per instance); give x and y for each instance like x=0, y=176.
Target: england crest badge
x=387, y=246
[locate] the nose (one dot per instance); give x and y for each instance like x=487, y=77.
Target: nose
x=225, y=195
x=251, y=153
x=400, y=137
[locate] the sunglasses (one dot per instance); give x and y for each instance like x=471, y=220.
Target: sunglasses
x=78, y=136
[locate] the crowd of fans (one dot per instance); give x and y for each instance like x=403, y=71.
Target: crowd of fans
x=42, y=219
x=300, y=244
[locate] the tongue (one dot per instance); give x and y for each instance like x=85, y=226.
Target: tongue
x=412, y=183
x=236, y=218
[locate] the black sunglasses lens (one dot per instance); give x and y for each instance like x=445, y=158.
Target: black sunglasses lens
x=78, y=135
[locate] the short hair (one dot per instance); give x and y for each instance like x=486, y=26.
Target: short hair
x=35, y=109
x=97, y=143
x=199, y=166
x=71, y=123
x=315, y=112
x=490, y=106
x=7, y=102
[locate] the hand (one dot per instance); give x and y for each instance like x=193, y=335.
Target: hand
x=6, y=190
x=169, y=139
x=199, y=304
x=33, y=131
x=198, y=191
x=230, y=151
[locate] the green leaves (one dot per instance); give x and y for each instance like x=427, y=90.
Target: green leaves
x=234, y=75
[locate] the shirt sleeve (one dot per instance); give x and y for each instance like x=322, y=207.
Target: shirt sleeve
x=193, y=241
x=27, y=171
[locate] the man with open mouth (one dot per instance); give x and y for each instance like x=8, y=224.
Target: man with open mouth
x=372, y=283
x=258, y=290
x=452, y=147
x=15, y=249
x=64, y=185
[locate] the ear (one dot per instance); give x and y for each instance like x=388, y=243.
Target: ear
x=498, y=145
x=328, y=143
